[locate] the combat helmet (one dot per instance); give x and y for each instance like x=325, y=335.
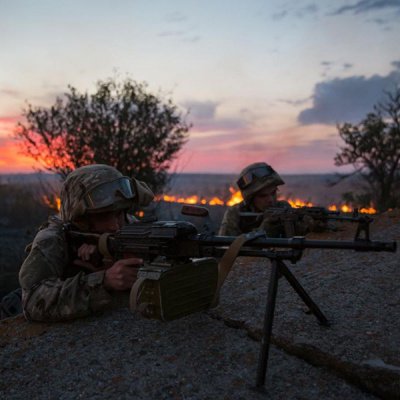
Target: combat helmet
x=98, y=188
x=255, y=177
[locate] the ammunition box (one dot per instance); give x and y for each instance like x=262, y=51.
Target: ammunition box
x=169, y=292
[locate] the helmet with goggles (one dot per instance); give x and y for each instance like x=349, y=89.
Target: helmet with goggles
x=99, y=188
x=255, y=177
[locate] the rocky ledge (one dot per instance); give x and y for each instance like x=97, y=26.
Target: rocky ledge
x=213, y=355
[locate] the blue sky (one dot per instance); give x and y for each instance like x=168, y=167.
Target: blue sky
x=263, y=80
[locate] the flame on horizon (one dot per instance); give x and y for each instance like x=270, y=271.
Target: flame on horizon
x=298, y=203
x=52, y=202
x=236, y=198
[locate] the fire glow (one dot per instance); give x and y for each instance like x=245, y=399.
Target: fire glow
x=53, y=202
x=236, y=197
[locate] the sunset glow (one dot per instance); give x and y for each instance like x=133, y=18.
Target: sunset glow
x=12, y=161
x=273, y=94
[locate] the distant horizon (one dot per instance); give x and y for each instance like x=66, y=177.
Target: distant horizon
x=186, y=173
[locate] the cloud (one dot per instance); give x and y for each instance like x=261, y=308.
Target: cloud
x=218, y=141
x=299, y=102
x=204, y=119
x=10, y=92
x=330, y=66
x=348, y=99
x=171, y=33
x=176, y=17
x=202, y=110
x=10, y=119
x=396, y=64
x=11, y=159
x=298, y=12
x=295, y=144
x=220, y=125
x=8, y=124
x=280, y=15
x=48, y=98
x=368, y=5
x=380, y=21
x=296, y=155
x=252, y=147
x=310, y=9
x=192, y=39
x=185, y=34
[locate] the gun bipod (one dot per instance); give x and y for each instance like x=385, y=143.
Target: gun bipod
x=279, y=269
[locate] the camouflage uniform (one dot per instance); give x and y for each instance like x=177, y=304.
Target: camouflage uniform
x=53, y=288
x=234, y=223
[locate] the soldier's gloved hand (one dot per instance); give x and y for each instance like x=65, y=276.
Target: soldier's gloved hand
x=90, y=258
x=302, y=227
x=271, y=225
x=86, y=250
x=314, y=225
x=121, y=276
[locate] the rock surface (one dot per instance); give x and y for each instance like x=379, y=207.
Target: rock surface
x=213, y=355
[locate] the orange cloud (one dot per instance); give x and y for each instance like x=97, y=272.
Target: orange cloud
x=7, y=125
x=11, y=161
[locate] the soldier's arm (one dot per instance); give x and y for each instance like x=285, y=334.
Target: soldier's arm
x=230, y=223
x=274, y=224
x=46, y=296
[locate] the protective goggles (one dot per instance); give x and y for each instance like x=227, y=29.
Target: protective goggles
x=257, y=172
x=108, y=193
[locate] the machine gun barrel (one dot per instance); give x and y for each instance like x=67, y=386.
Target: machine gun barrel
x=301, y=243
x=180, y=240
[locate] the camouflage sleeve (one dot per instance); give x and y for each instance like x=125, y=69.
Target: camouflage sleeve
x=48, y=297
x=274, y=226
x=315, y=225
x=308, y=224
x=230, y=223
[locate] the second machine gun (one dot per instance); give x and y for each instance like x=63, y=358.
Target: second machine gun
x=290, y=218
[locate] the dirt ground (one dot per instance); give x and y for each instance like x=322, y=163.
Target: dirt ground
x=214, y=354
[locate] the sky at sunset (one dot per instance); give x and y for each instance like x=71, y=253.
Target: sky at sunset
x=263, y=80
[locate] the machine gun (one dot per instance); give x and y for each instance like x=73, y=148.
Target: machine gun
x=180, y=275
x=291, y=218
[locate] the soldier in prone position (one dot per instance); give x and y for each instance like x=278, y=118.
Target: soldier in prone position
x=58, y=285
